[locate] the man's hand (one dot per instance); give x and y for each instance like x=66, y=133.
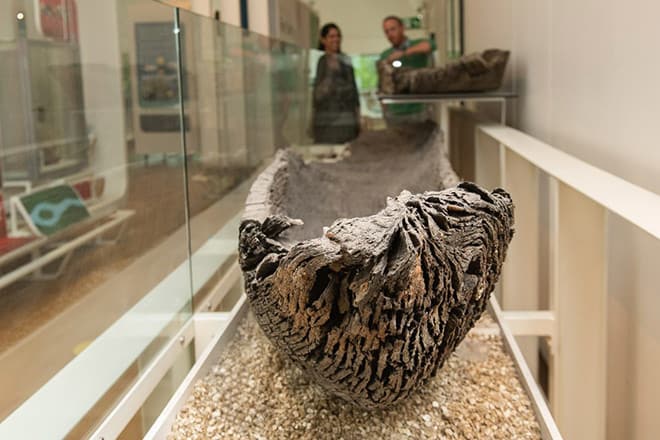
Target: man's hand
x=396, y=55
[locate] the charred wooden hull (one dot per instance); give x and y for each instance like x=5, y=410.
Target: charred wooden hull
x=478, y=72
x=376, y=304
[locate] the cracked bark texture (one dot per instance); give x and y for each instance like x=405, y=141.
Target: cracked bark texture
x=477, y=72
x=374, y=306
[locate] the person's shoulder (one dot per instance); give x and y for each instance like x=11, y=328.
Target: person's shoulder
x=386, y=53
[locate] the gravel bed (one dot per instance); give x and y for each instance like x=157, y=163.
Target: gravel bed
x=255, y=393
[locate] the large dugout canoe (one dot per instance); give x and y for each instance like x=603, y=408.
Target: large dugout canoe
x=369, y=294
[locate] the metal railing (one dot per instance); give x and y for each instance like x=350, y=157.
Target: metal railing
x=554, y=284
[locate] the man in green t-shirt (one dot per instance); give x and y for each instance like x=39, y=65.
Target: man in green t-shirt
x=408, y=53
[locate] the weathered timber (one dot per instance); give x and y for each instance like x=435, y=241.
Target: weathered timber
x=373, y=306
x=477, y=72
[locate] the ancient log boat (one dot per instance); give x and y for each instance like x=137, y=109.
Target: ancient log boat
x=477, y=72
x=369, y=271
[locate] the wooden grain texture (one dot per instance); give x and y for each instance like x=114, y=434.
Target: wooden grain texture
x=477, y=72
x=374, y=306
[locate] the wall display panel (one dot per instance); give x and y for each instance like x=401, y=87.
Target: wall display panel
x=157, y=60
x=154, y=80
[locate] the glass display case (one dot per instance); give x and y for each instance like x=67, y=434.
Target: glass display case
x=130, y=134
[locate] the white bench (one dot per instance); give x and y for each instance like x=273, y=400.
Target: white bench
x=46, y=229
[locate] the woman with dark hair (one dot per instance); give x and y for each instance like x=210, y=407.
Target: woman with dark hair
x=336, y=101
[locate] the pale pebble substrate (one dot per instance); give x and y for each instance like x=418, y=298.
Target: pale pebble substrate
x=254, y=393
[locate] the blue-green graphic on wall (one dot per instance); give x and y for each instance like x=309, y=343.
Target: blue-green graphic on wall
x=53, y=209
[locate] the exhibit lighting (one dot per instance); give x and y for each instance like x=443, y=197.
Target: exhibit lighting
x=20, y=16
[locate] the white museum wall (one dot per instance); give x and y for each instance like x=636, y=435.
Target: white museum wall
x=587, y=75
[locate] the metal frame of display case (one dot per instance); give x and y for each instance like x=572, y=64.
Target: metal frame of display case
x=209, y=332
x=220, y=330
x=573, y=325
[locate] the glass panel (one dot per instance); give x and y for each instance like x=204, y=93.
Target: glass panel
x=293, y=97
x=257, y=84
x=246, y=96
x=94, y=273
x=112, y=178
x=219, y=162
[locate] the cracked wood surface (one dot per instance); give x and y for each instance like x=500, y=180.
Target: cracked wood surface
x=374, y=306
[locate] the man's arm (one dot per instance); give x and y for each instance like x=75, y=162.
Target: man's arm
x=423, y=47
